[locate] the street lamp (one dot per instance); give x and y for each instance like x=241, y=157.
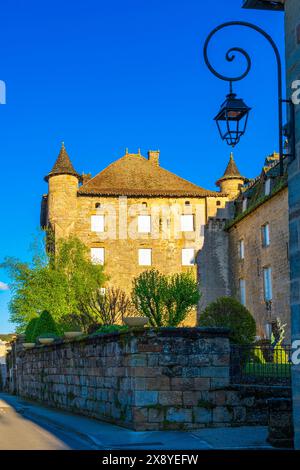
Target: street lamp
x=233, y=115
x=232, y=118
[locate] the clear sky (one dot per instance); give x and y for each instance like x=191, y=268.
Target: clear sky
x=106, y=75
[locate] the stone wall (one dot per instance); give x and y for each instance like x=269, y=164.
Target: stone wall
x=213, y=263
x=174, y=378
x=275, y=212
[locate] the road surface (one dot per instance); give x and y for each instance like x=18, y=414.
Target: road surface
x=20, y=433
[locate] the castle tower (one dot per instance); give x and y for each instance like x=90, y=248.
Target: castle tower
x=62, y=195
x=232, y=180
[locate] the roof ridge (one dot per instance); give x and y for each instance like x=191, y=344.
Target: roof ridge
x=142, y=158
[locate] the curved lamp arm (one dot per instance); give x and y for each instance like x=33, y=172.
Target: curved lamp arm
x=230, y=56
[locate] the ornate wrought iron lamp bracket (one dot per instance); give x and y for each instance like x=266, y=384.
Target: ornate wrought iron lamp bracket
x=230, y=56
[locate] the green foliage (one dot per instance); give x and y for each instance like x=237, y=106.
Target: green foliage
x=165, y=300
x=45, y=327
x=228, y=312
x=60, y=282
x=70, y=323
x=29, y=332
x=181, y=296
x=110, y=329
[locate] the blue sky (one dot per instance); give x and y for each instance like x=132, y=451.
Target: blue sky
x=103, y=76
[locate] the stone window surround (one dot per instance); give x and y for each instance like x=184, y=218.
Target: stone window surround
x=265, y=235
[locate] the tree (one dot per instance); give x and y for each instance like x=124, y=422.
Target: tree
x=227, y=312
x=109, y=307
x=181, y=297
x=61, y=282
x=148, y=296
x=165, y=300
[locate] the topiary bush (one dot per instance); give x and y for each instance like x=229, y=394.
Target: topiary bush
x=29, y=332
x=228, y=312
x=45, y=327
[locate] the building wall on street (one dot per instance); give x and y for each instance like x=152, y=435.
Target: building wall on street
x=275, y=212
x=213, y=263
x=292, y=42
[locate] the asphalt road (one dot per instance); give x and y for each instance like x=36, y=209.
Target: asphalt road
x=20, y=433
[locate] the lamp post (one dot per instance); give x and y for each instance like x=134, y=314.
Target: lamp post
x=233, y=115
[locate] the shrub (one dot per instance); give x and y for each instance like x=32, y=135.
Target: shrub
x=110, y=329
x=70, y=323
x=29, y=332
x=165, y=300
x=228, y=312
x=45, y=327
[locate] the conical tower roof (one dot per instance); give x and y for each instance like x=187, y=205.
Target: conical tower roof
x=63, y=165
x=231, y=172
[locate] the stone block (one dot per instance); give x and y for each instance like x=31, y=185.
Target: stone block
x=138, y=360
x=145, y=398
x=170, y=398
x=156, y=415
x=222, y=414
x=202, y=383
x=178, y=383
x=190, y=398
x=159, y=383
x=202, y=415
x=139, y=415
x=179, y=415
x=218, y=372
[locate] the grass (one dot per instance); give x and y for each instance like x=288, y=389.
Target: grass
x=267, y=370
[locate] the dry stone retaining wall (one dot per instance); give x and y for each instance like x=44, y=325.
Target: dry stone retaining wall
x=173, y=378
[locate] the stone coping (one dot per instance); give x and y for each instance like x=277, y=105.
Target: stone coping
x=164, y=332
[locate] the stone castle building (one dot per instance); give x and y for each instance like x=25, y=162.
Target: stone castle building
x=135, y=215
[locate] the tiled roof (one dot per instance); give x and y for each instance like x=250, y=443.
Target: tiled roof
x=134, y=175
x=63, y=165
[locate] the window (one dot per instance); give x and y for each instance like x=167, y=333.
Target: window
x=241, y=249
x=265, y=235
x=97, y=223
x=144, y=223
x=187, y=223
x=218, y=203
x=97, y=255
x=267, y=187
x=144, y=205
x=188, y=256
x=187, y=203
x=244, y=204
x=97, y=205
x=242, y=287
x=145, y=256
x=267, y=283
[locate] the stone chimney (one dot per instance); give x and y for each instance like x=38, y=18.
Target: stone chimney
x=85, y=177
x=153, y=156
